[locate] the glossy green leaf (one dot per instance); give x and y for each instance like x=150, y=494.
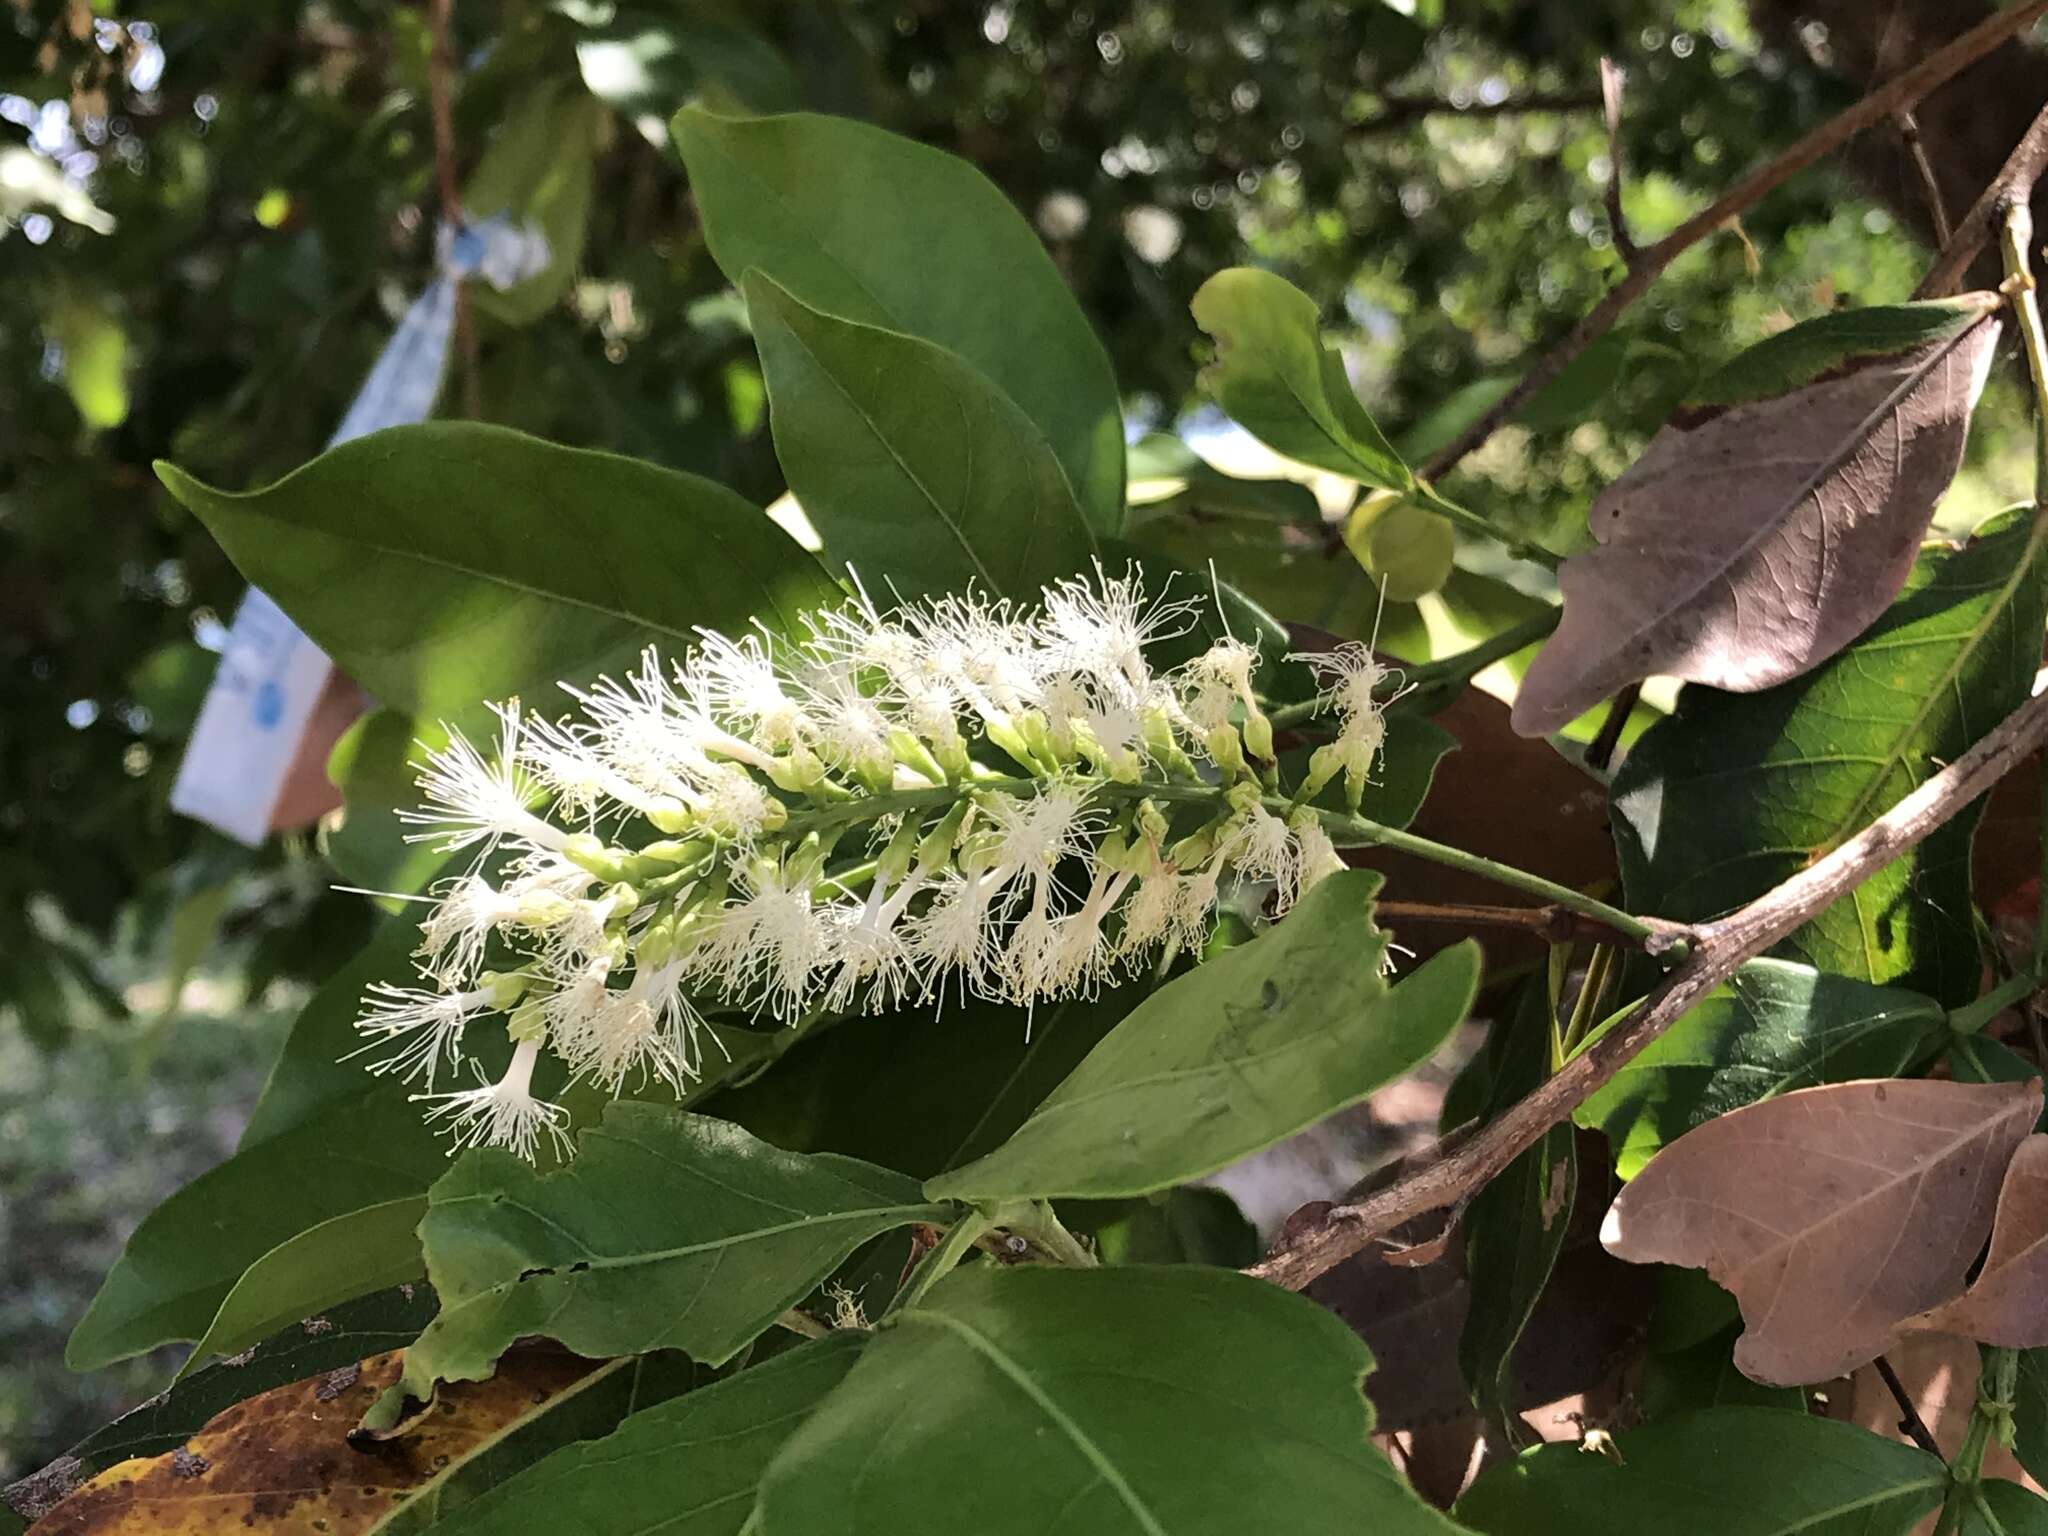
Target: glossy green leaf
x=1703, y=1375
x=1776, y=1025
x=1247, y=1049
x=350, y=1255
x=875, y=228
x=909, y=462
x=334, y=1340
x=1735, y=793
x=668, y=1231
x=1141, y=1400
x=1278, y=379
x=688, y=1467
x=451, y=562
x=1731, y=1471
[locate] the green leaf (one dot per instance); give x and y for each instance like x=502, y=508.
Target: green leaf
x=336, y=1339
x=347, y=1256
x=689, y=1467
x=451, y=562
x=1278, y=379
x=910, y=463
x=538, y=169
x=668, y=1231
x=975, y=1069
x=95, y=360
x=1805, y=353
x=1774, y=1026
x=1516, y=1227
x=2013, y=1510
x=887, y=232
x=1137, y=1400
x=375, y=765
x=1703, y=1375
x=1242, y=1052
x=1732, y=1471
x=1735, y=793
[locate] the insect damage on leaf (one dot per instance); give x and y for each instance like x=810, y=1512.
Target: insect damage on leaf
x=1834, y=1214
x=1776, y=515
x=282, y=1461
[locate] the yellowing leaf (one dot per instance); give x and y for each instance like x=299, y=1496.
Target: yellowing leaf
x=1776, y=515
x=1834, y=1214
x=281, y=1462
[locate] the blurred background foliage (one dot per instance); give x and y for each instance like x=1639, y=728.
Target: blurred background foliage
x=212, y=213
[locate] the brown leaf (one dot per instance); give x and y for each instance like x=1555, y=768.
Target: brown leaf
x=281, y=1462
x=2007, y=1304
x=1753, y=540
x=1833, y=1214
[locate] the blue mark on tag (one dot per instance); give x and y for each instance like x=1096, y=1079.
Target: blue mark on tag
x=268, y=706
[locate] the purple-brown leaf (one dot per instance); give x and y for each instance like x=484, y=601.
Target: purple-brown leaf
x=1775, y=516
x=1834, y=1214
x=2007, y=1304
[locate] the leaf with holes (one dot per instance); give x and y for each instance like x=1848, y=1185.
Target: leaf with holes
x=1775, y=515
x=1834, y=1214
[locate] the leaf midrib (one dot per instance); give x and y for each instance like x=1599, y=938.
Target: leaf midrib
x=1093, y=1454
x=1786, y=507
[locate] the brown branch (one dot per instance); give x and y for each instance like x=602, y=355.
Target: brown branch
x=1608, y=739
x=1930, y=186
x=1610, y=105
x=1901, y=91
x=1911, y=1424
x=1552, y=924
x=1718, y=948
x=2022, y=168
x=440, y=69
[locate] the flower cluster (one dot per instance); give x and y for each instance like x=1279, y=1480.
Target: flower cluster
x=959, y=797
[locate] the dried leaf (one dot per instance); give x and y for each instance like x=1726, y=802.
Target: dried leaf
x=1775, y=515
x=282, y=1461
x=2007, y=1304
x=1833, y=1214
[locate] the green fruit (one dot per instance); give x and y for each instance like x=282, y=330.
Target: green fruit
x=1406, y=548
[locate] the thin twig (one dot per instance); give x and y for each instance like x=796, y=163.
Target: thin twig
x=1910, y=1423
x=1552, y=924
x=1610, y=106
x=2022, y=168
x=1718, y=949
x=1602, y=750
x=440, y=70
x=1901, y=90
x=1930, y=188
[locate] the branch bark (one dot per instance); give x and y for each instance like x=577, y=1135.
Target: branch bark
x=2016, y=178
x=1899, y=92
x=1718, y=948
